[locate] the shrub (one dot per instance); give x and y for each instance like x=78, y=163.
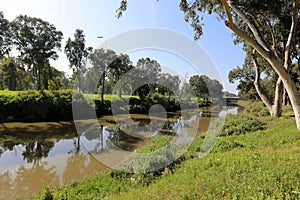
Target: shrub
x=239, y=124
x=224, y=146
x=258, y=109
x=39, y=106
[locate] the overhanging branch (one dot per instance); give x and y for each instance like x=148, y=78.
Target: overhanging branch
x=287, y=51
x=250, y=25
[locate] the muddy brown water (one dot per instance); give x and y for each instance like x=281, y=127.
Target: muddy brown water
x=33, y=155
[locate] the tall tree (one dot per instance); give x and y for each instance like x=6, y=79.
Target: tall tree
x=268, y=26
x=77, y=53
x=118, y=68
x=5, y=36
x=102, y=61
x=148, y=71
x=37, y=42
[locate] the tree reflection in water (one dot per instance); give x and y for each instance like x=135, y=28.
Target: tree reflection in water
x=36, y=150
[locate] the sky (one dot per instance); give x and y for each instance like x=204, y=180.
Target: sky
x=97, y=18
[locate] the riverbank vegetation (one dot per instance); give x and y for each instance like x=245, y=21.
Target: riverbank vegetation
x=249, y=163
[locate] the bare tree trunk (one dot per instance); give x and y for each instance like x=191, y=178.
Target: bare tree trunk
x=258, y=87
x=277, y=107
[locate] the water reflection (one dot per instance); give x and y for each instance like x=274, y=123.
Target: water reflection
x=33, y=155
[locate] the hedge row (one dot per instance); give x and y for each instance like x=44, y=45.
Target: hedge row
x=38, y=106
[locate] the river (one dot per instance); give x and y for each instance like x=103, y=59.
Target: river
x=33, y=155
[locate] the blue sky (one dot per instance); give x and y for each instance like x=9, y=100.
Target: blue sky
x=97, y=17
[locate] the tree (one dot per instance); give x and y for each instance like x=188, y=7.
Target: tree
x=13, y=75
x=36, y=40
x=118, y=68
x=199, y=84
x=268, y=26
x=77, y=53
x=147, y=71
x=102, y=60
x=52, y=78
x=5, y=36
x=168, y=84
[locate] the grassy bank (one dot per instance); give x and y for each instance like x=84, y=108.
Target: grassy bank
x=255, y=160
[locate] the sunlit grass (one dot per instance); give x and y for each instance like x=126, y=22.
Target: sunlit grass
x=108, y=97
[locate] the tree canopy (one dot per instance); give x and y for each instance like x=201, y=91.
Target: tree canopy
x=37, y=42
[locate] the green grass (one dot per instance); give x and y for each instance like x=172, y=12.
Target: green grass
x=108, y=97
x=257, y=164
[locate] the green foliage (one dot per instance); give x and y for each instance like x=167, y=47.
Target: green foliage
x=36, y=40
x=227, y=145
x=36, y=106
x=5, y=35
x=206, y=88
x=143, y=106
x=257, y=109
x=237, y=125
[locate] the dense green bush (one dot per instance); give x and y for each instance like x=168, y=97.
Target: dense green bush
x=240, y=124
x=39, y=106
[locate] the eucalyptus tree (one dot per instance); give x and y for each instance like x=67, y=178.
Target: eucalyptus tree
x=77, y=53
x=269, y=27
x=37, y=42
x=101, y=61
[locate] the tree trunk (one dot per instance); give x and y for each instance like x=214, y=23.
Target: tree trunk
x=261, y=93
x=120, y=92
x=103, y=88
x=38, y=77
x=278, y=67
x=290, y=87
x=277, y=107
x=285, y=101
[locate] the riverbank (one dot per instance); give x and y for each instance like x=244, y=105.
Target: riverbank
x=47, y=106
x=256, y=157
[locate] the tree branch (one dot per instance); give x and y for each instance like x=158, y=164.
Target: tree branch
x=287, y=51
x=227, y=9
x=274, y=43
x=250, y=25
x=247, y=38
